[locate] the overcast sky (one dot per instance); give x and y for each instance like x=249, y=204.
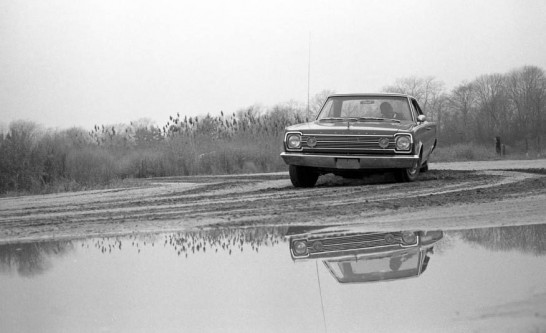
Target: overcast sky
x=86, y=62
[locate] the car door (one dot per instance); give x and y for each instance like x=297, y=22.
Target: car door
x=425, y=132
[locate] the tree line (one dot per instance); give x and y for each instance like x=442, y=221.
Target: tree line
x=510, y=106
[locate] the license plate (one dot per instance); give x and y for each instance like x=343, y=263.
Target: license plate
x=347, y=163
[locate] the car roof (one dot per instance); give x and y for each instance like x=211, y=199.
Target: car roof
x=371, y=94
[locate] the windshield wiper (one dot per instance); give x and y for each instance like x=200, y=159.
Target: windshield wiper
x=377, y=119
x=338, y=119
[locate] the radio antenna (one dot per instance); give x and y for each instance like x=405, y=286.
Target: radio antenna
x=308, y=74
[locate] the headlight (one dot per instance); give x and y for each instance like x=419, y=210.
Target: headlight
x=409, y=237
x=293, y=141
x=300, y=248
x=403, y=142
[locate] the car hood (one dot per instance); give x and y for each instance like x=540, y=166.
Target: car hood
x=343, y=128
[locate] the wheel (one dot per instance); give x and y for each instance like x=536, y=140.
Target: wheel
x=301, y=176
x=424, y=167
x=409, y=174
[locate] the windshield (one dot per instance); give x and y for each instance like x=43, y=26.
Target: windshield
x=366, y=107
x=368, y=269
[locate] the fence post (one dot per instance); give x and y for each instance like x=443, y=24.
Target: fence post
x=498, y=145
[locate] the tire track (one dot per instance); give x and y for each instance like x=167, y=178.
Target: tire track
x=178, y=203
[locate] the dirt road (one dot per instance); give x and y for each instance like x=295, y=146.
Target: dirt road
x=450, y=195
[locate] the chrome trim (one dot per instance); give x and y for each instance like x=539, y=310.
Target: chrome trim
x=343, y=135
x=414, y=112
x=357, y=249
x=367, y=161
x=361, y=156
x=422, y=256
x=352, y=142
x=337, y=141
x=310, y=150
x=349, y=243
x=358, y=238
x=377, y=94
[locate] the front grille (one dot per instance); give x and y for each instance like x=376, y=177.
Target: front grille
x=347, y=144
x=352, y=242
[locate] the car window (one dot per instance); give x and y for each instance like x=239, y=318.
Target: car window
x=372, y=107
x=327, y=109
x=416, y=107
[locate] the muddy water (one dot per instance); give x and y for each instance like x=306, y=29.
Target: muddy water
x=248, y=280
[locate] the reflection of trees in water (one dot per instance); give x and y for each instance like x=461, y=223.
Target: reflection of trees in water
x=30, y=259
x=226, y=240
x=526, y=239
x=206, y=241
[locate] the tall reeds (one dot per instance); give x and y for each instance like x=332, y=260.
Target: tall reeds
x=36, y=160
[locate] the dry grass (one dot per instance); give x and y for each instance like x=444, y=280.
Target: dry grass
x=477, y=152
x=37, y=161
x=464, y=152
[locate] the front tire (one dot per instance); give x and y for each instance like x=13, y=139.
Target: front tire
x=409, y=174
x=301, y=176
x=424, y=167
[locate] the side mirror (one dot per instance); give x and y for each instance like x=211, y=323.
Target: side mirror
x=421, y=118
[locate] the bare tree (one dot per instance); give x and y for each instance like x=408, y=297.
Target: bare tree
x=427, y=91
x=526, y=92
x=317, y=101
x=492, y=108
x=437, y=107
x=461, y=104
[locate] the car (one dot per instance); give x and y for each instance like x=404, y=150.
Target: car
x=360, y=257
x=358, y=134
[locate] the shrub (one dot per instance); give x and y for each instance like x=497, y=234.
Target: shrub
x=90, y=166
x=20, y=157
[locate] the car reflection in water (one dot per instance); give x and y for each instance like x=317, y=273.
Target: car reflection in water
x=357, y=257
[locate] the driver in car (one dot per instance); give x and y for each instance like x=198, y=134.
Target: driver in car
x=387, y=111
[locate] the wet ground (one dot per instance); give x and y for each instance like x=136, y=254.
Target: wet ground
x=450, y=195
x=250, y=280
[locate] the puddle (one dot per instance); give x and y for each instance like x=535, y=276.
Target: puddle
x=304, y=279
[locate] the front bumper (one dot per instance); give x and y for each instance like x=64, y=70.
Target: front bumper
x=364, y=161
